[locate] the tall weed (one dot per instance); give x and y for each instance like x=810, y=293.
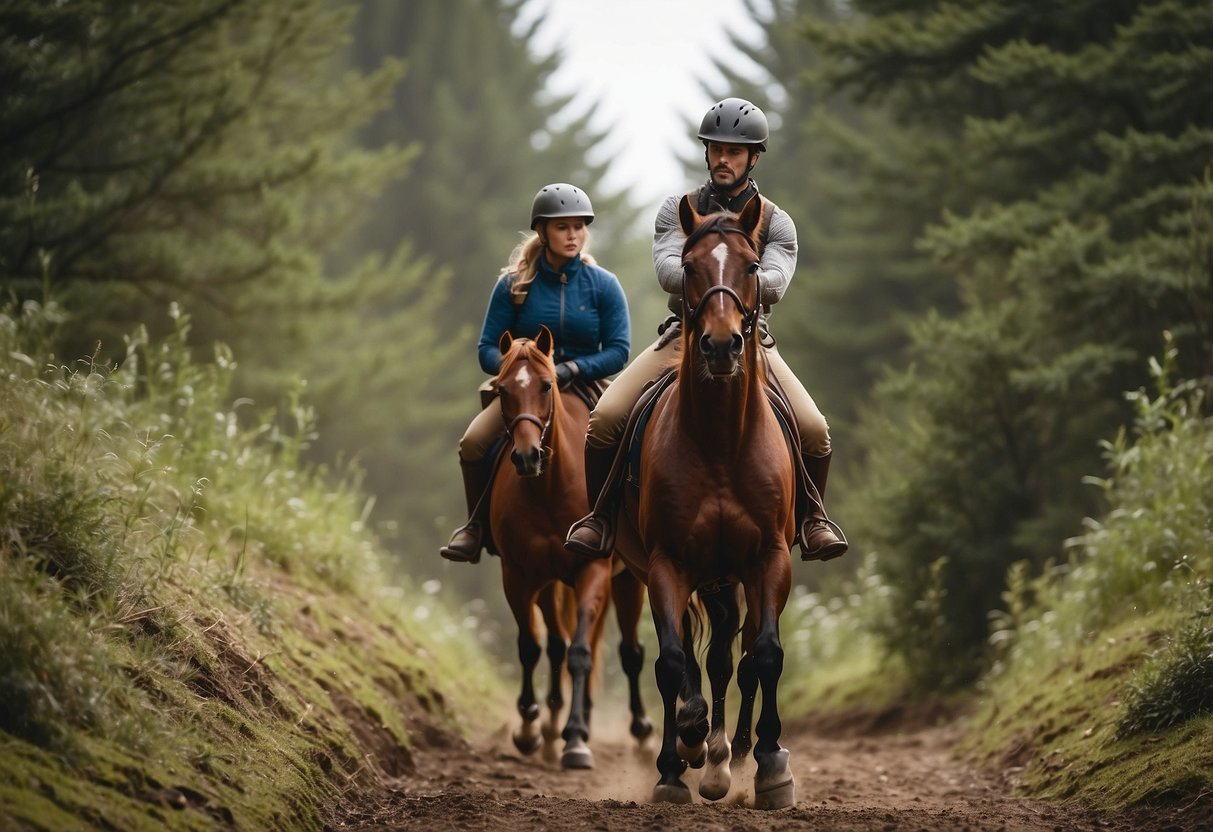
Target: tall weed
x=1153, y=550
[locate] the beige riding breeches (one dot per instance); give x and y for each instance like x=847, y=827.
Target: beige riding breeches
x=610, y=416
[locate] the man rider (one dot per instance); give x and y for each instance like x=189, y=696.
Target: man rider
x=734, y=133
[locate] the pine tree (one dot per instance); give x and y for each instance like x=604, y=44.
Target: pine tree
x=1085, y=131
x=851, y=185
x=201, y=152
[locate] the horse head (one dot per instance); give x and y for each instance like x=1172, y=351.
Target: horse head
x=721, y=296
x=526, y=387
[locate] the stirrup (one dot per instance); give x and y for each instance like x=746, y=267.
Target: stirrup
x=830, y=550
x=591, y=524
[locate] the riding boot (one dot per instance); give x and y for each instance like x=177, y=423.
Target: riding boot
x=593, y=536
x=466, y=541
x=820, y=537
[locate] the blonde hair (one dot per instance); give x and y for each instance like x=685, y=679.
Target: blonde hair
x=524, y=263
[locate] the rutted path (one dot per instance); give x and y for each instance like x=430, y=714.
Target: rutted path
x=906, y=780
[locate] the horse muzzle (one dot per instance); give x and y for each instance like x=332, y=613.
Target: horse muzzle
x=721, y=355
x=528, y=462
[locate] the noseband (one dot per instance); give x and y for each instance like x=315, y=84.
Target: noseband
x=749, y=317
x=544, y=425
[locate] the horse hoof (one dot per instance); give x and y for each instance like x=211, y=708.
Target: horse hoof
x=671, y=793
x=642, y=728
x=774, y=787
x=527, y=744
x=715, y=787
x=578, y=756
x=779, y=796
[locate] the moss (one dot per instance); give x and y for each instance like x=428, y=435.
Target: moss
x=1054, y=730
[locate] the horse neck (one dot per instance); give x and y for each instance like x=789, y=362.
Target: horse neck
x=717, y=411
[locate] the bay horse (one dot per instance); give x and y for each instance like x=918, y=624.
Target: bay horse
x=533, y=502
x=713, y=520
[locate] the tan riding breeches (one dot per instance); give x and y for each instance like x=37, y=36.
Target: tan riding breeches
x=611, y=415
x=478, y=439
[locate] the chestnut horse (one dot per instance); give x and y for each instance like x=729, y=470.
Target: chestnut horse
x=714, y=517
x=531, y=509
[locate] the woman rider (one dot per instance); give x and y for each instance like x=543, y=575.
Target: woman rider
x=550, y=280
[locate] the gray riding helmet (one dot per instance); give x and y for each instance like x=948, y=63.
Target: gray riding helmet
x=735, y=121
x=560, y=199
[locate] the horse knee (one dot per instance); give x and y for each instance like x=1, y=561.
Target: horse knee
x=767, y=656
x=580, y=659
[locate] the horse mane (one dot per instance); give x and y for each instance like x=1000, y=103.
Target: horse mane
x=524, y=348
x=710, y=224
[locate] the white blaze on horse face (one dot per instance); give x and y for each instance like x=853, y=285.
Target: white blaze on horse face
x=524, y=378
x=721, y=253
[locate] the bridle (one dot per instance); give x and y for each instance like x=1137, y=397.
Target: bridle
x=749, y=317
x=544, y=425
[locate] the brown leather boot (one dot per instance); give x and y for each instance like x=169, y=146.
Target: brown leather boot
x=465, y=543
x=593, y=536
x=820, y=537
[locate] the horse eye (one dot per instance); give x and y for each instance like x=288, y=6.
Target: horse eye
x=753, y=269
x=546, y=387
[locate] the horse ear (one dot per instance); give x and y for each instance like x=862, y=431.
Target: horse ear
x=750, y=215
x=688, y=216
x=503, y=343
x=544, y=339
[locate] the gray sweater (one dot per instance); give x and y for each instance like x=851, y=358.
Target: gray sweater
x=776, y=262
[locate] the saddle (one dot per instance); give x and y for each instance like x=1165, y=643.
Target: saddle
x=638, y=419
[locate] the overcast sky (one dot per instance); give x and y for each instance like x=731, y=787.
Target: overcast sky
x=644, y=62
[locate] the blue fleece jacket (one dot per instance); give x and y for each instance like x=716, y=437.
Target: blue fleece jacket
x=584, y=307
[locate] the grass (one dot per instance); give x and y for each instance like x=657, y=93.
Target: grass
x=196, y=627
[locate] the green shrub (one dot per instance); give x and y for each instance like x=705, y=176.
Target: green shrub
x=1175, y=685
x=1151, y=551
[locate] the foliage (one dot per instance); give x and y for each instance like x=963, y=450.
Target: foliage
x=1175, y=686
x=1070, y=147
x=1083, y=696
x=853, y=185
x=182, y=595
x=474, y=102
x=1051, y=727
x=1153, y=549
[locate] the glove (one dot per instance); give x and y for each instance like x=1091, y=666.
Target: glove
x=566, y=371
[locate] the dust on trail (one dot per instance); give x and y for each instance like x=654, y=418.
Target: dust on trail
x=901, y=780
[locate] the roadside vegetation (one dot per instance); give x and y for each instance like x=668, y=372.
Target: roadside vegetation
x=196, y=628
x=1101, y=688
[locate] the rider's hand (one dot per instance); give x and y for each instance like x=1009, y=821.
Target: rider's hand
x=566, y=371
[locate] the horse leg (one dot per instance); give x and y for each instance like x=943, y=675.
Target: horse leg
x=724, y=615
x=774, y=786
x=558, y=646
x=593, y=583
x=669, y=592
x=693, y=714
x=526, y=738
x=747, y=683
x=628, y=594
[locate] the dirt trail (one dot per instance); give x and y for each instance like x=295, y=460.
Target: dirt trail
x=901, y=780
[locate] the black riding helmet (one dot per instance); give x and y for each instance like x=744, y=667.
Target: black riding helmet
x=735, y=121
x=560, y=199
